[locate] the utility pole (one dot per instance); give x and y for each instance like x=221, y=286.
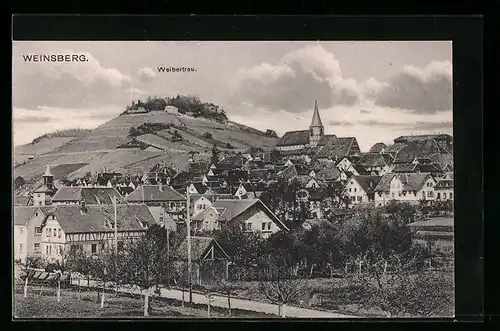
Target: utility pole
x=116, y=227
x=188, y=223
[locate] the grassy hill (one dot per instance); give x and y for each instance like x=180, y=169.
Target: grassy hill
x=162, y=137
x=46, y=143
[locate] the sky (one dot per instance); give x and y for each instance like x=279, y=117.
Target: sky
x=372, y=90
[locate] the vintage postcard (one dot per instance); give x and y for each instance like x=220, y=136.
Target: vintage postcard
x=232, y=179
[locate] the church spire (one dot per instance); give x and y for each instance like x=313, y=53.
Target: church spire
x=47, y=172
x=316, y=120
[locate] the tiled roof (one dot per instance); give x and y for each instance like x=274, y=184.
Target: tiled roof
x=368, y=183
x=22, y=214
x=231, y=208
x=361, y=170
x=259, y=173
x=326, y=138
x=444, y=184
x=129, y=216
x=232, y=161
x=377, y=148
x=336, y=148
x=91, y=195
x=374, y=160
x=199, y=248
x=328, y=172
x=418, y=148
x=442, y=160
x=292, y=138
x=288, y=173
x=404, y=167
x=45, y=189
x=423, y=137
x=411, y=181
x=152, y=193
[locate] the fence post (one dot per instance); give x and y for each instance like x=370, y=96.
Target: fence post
x=79, y=291
x=26, y=287
x=208, y=297
x=59, y=290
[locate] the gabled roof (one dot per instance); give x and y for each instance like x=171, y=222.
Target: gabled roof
x=378, y=148
x=418, y=148
x=442, y=160
x=91, y=195
x=22, y=214
x=326, y=138
x=304, y=179
x=152, y=193
x=288, y=173
x=211, y=197
x=336, y=148
x=423, y=137
x=231, y=208
x=259, y=173
x=375, y=160
x=367, y=183
x=45, y=189
x=199, y=248
x=410, y=181
x=292, y=138
x=73, y=220
x=444, y=184
x=328, y=172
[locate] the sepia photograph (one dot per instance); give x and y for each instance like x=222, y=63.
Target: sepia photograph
x=232, y=180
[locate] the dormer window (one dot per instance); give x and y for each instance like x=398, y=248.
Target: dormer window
x=145, y=225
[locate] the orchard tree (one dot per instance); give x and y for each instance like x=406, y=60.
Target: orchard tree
x=280, y=286
x=149, y=263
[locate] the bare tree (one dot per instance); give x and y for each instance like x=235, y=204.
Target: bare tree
x=407, y=289
x=281, y=287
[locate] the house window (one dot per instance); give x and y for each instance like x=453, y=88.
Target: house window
x=355, y=190
x=353, y=199
x=429, y=193
x=444, y=195
x=269, y=225
x=248, y=226
x=50, y=249
x=349, y=189
x=399, y=194
x=172, y=205
x=360, y=198
x=60, y=250
x=21, y=248
x=94, y=248
x=451, y=195
x=21, y=230
x=101, y=249
x=263, y=226
x=47, y=249
x=59, y=233
x=161, y=219
x=393, y=194
x=439, y=195
x=37, y=230
x=120, y=245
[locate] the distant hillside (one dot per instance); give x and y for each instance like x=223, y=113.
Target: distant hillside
x=133, y=143
x=189, y=105
x=46, y=143
x=69, y=133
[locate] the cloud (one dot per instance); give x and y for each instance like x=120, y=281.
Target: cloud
x=68, y=84
x=340, y=123
x=146, y=74
x=427, y=90
x=301, y=77
x=27, y=126
x=434, y=127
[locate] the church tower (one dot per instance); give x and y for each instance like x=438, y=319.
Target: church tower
x=316, y=129
x=44, y=192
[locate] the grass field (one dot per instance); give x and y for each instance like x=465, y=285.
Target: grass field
x=121, y=306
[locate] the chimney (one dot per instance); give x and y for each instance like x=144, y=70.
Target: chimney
x=160, y=186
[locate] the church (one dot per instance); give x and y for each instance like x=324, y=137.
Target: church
x=314, y=144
